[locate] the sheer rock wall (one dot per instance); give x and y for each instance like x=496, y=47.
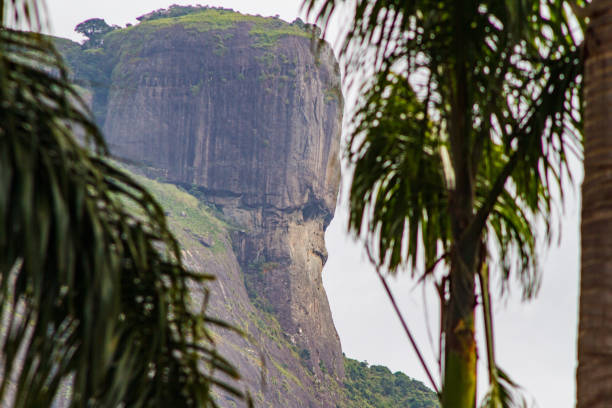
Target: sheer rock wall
x=249, y=120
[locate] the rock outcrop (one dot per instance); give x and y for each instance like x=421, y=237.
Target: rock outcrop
x=244, y=112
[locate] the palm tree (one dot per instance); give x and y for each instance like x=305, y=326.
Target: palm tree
x=594, y=387
x=93, y=297
x=458, y=139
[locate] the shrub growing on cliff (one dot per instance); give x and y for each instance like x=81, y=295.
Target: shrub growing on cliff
x=94, y=29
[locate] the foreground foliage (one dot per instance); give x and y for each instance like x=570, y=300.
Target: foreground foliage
x=462, y=133
x=92, y=296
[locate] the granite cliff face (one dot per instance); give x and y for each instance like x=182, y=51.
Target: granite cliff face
x=254, y=128
x=245, y=113
x=286, y=378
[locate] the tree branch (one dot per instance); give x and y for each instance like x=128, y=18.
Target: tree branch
x=402, y=321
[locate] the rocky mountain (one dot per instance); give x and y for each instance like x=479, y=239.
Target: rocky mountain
x=238, y=118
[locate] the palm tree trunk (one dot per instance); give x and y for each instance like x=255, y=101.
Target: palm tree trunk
x=459, y=390
x=459, y=387
x=594, y=374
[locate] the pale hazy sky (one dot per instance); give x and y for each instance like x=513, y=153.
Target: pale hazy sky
x=536, y=341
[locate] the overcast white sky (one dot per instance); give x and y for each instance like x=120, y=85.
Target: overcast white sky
x=536, y=342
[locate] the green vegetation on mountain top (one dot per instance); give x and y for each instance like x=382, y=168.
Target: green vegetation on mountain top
x=265, y=30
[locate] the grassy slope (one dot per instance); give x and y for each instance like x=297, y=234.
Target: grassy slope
x=186, y=213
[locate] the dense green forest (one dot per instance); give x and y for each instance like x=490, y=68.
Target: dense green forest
x=377, y=387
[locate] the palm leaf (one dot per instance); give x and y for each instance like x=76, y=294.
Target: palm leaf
x=91, y=294
x=460, y=152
